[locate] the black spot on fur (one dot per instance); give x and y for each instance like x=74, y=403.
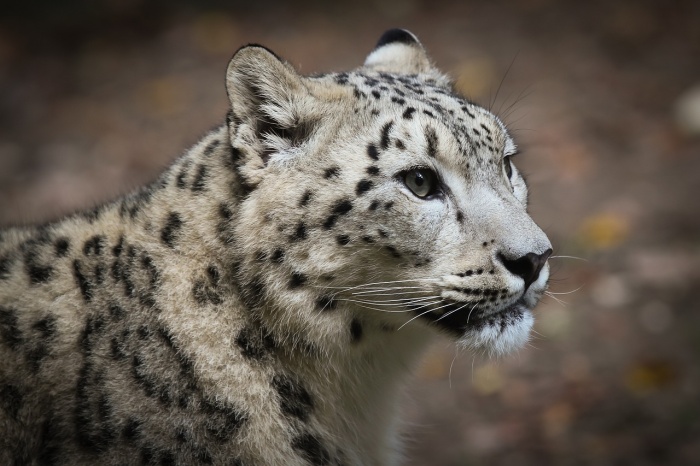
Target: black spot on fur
x=368, y=239
x=204, y=293
x=389, y=205
x=432, y=140
x=341, y=207
x=39, y=274
x=211, y=147
x=214, y=275
x=200, y=179
x=295, y=400
x=372, y=152
x=118, y=349
x=236, y=155
x=167, y=458
x=355, y=330
x=305, y=199
x=326, y=303
x=180, y=180
x=61, y=247
x=399, y=144
x=224, y=420
x=253, y=292
x=147, y=455
x=311, y=449
x=83, y=283
x=429, y=113
x=372, y=170
x=363, y=186
x=94, y=245
x=253, y=344
x=171, y=230
x=277, y=256
x=376, y=94
x=392, y=250
x=225, y=212
x=299, y=232
x=398, y=100
x=93, y=412
x=138, y=371
x=99, y=273
x=374, y=205
x=199, y=292
x=466, y=110
x=460, y=216
x=5, y=263
x=297, y=280
x=9, y=327
x=386, y=129
x=332, y=172
x=119, y=247
x=49, y=453
x=36, y=355
x=46, y=327
x=93, y=214
x=11, y=399
x=408, y=113
x=342, y=239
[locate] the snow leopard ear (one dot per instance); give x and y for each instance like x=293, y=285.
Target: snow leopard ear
x=268, y=101
x=399, y=51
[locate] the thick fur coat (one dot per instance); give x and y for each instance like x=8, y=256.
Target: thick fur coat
x=262, y=302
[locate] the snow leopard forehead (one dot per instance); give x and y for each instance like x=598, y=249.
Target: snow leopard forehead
x=429, y=101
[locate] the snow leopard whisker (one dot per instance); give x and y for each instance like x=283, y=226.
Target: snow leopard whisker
x=563, y=303
x=385, y=304
x=414, y=318
x=364, y=287
x=400, y=301
x=453, y=311
x=392, y=311
x=396, y=291
x=569, y=257
x=470, y=312
x=550, y=293
x=423, y=313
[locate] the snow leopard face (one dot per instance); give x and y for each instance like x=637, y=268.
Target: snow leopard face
x=384, y=197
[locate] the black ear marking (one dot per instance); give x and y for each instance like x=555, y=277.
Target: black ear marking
x=254, y=45
x=401, y=36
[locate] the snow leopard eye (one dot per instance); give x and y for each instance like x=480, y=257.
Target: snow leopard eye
x=421, y=181
x=508, y=167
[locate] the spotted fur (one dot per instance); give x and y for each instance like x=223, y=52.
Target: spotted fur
x=262, y=301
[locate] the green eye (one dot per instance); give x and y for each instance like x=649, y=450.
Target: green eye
x=421, y=181
x=508, y=167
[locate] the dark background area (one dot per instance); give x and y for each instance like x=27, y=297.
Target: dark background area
x=97, y=97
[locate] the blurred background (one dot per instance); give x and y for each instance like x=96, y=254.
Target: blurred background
x=96, y=97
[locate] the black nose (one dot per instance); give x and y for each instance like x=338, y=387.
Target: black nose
x=527, y=267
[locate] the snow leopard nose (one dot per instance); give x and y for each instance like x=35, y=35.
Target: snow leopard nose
x=527, y=267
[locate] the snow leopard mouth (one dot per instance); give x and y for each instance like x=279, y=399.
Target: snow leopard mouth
x=458, y=318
